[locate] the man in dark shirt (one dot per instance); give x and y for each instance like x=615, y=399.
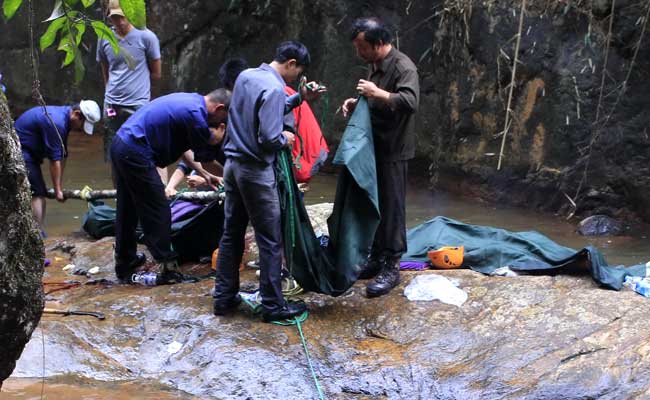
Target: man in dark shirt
x=156, y=136
x=43, y=133
x=393, y=92
x=255, y=134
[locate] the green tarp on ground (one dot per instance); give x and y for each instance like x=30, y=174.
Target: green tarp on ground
x=333, y=270
x=354, y=220
x=487, y=249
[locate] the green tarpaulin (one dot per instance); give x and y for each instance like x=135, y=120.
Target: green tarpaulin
x=334, y=269
x=487, y=249
x=354, y=220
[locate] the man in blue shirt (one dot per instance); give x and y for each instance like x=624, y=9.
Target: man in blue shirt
x=255, y=134
x=43, y=133
x=156, y=136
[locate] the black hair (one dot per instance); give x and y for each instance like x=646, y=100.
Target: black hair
x=230, y=70
x=220, y=95
x=292, y=50
x=376, y=32
x=76, y=107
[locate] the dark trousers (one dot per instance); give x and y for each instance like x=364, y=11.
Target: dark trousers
x=140, y=196
x=114, y=123
x=251, y=195
x=390, y=238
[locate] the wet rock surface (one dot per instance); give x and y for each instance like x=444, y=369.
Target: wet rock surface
x=21, y=250
x=527, y=337
x=600, y=225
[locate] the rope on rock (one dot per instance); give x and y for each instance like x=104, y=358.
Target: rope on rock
x=256, y=307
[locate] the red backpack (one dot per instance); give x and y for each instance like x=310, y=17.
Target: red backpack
x=310, y=148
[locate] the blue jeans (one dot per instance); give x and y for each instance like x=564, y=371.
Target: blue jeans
x=251, y=195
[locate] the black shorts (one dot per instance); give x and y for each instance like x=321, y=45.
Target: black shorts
x=35, y=177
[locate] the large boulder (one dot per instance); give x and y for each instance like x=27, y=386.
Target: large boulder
x=21, y=251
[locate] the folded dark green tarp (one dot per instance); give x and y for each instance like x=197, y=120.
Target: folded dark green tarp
x=354, y=220
x=487, y=249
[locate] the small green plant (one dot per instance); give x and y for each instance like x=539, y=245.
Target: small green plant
x=68, y=22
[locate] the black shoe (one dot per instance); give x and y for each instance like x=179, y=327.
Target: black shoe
x=124, y=270
x=385, y=281
x=371, y=267
x=289, y=311
x=221, y=307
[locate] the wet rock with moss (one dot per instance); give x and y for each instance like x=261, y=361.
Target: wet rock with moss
x=21, y=250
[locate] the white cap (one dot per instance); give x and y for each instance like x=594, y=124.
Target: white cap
x=91, y=113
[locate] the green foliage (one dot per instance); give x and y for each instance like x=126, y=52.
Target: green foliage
x=104, y=32
x=135, y=12
x=9, y=7
x=68, y=22
x=49, y=36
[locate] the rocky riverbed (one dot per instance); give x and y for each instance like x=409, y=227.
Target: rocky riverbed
x=524, y=337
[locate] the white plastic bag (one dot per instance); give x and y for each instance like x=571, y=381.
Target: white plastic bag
x=429, y=287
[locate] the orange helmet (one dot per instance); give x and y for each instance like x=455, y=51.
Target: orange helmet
x=447, y=257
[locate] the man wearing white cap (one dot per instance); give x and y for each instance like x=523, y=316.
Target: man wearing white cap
x=43, y=133
x=127, y=75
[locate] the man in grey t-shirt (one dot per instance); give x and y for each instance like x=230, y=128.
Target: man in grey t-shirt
x=127, y=75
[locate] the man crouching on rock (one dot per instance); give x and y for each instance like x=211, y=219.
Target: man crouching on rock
x=156, y=136
x=255, y=134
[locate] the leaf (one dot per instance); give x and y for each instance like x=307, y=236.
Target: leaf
x=79, y=69
x=9, y=7
x=128, y=58
x=87, y=3
x=67, y=45
x=136, y=12
x=80, y=29
x=104, y=32
x=48, y=38
x=57, y=12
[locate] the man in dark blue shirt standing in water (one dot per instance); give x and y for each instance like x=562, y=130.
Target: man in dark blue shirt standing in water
x=156, y=136
x=255, y=135
x=43, y=133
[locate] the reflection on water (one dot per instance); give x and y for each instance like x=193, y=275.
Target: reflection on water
x=70, y=388
x=85, y=166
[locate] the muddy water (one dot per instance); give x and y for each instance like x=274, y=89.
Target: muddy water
x=85, y=166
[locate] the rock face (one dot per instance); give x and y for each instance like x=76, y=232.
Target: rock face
x=527, y=337
x=21, y=251
x=600, y=225
x=464, y=50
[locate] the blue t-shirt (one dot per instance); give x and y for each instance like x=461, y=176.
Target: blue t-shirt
x=38, y=138
x=168, y=126
x=256, y=116
x=129, y=86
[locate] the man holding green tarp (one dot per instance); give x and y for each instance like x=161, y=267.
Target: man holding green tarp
x=393, y=92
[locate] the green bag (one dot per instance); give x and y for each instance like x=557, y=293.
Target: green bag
x=99, y=220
